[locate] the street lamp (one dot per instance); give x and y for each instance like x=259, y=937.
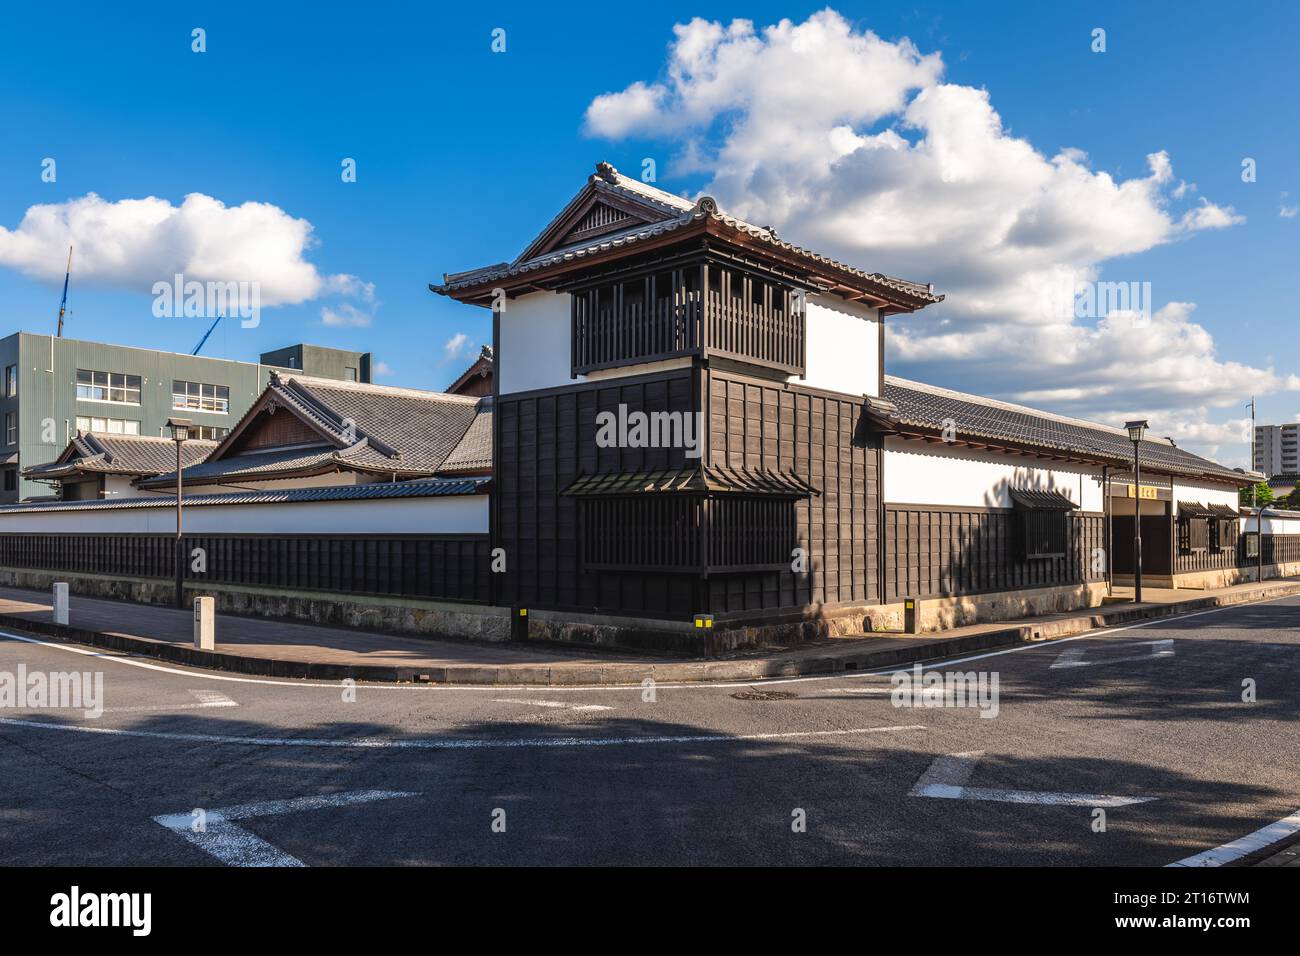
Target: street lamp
x=180, y=429
x=1135, y=432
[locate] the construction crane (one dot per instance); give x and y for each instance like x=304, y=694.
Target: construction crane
x=210, y=330
x=63, y=306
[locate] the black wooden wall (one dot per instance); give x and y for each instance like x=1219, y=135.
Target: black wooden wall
x=821, y=437
x=937, y=551
x=545, y=440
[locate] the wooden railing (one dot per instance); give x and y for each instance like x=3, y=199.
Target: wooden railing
x=605, y=336
x=754, y=331
x=609, y=332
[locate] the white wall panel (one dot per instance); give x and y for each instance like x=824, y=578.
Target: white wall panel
x=938, y=474
x=535, y=349
x=843, y=347
x=464, y=514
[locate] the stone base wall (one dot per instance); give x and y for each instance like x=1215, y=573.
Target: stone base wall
x=1209, y=580
x=395, y=615
x=940, y=614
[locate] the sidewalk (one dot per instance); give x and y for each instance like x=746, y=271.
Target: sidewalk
x=275, y=648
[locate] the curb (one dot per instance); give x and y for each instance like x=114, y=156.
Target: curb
x=625, y=673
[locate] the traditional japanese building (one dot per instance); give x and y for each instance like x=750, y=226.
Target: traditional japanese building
x=693, y=419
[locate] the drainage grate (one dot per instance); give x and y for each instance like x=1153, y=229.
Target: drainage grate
x=752, y=694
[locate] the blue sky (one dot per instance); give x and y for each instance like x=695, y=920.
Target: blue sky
x=462, y=154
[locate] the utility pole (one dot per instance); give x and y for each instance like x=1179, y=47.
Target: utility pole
x=63, y=306
x=1254, y=439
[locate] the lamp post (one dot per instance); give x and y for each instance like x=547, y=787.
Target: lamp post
x=1135, y=432
x=180, y=429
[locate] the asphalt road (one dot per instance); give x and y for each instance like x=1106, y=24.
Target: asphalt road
x=287, y=772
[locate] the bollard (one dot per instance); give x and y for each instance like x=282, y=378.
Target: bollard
x=60, y=602
x=205, y=625
x=911, y=616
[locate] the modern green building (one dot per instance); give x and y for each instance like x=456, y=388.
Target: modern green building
x=54, y=387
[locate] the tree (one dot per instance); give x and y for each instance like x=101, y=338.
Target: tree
x=1263, y=494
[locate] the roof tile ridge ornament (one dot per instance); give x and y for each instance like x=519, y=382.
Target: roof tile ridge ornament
x=706, y=206
x=607, y=172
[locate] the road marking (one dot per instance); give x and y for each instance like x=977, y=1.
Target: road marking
x=666, y=685
x=1244, y=846
x=1072, y=656
x=235, y=846
x=550, y=703
x=207, y=698
x=945, y=779
x=376, y=743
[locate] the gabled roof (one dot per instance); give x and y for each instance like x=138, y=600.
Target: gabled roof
x=480, y=366
x=133, y=455
x=927, y=410
x=661, y=214
x=374, y=429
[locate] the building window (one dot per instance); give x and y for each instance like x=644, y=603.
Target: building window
x=118, y=387
x=107, y=426
x=11, y=428
x=209, y=432
x=1044, y=518
x=1194, y=522
x=11, y=479
x=11, y=381
x=200, y=397
x=349, y=373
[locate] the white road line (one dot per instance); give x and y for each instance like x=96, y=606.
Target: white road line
x=636, y=687
x=1072, y=656
x=207, y=698
x=1246, y=845
x=378, y=743
x=946, y=777
x=550, y=703
x=235, y=846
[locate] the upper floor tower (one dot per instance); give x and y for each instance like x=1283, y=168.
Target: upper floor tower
x=629, y=278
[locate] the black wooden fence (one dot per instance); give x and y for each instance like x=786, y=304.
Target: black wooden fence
x=441, y=567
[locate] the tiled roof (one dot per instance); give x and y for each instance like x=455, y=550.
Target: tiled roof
x=678, y=213
x=983, y=419
x=428, y=488
x=712, y=479
x=473, y=453
x=375, y=429
x=136, y=455
x=1038, y=498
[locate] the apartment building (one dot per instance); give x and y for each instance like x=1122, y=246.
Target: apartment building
x=1277, y=449
x=54, y=388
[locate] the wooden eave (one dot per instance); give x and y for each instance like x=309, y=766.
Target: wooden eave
x=819, y=275
x=935, y=437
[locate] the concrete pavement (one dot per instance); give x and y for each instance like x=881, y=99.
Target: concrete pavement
x=812, y=770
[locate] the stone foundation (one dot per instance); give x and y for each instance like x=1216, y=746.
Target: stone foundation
x=393, y=615
x=940, y=614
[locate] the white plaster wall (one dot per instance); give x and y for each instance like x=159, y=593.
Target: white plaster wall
x=1206, y=493
x=1273, y=524
x=937, y=474
x=463, y=514
x=843, y=347
x=535, y=349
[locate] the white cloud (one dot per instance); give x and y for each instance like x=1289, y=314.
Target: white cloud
x=854, y=146
x=458, y=346
x=346, y=314
x=132, y=243
x=382, y=369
